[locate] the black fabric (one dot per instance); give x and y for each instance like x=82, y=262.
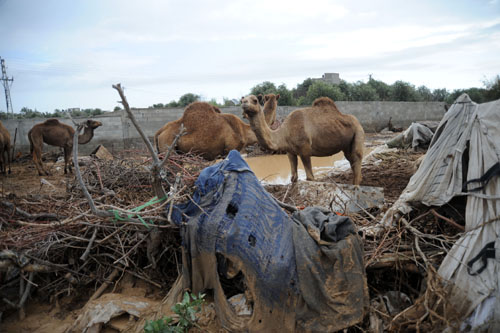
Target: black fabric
x=484, y=179
x=488, y=252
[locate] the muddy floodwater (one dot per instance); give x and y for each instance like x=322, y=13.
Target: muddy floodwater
x=275, y=169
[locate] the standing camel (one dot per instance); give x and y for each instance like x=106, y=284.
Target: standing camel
x=5, y=150
x=209, y=133
x=55, y=133
x=320, y=130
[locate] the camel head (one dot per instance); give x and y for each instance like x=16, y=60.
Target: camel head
x=261, y=99
x=93, y=124
x=250, y=105
x=272, y=97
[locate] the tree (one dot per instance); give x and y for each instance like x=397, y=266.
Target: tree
x=173, y=104
x=322, y=89
x=424, y=94
x=364, y=92
x=286, y=96
x=403, y=92
x=228, y=102
x=492, y=88
x=346, y=89
x=117, y=108
x=440, y=95
x=301, y=90
x=188, y=99
x=263, y=88
x=29, y=113
x=383, y=89
x=157, y=106
x=213, y=102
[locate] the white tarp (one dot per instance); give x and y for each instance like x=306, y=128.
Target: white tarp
x=417, y=135
x=439, y=179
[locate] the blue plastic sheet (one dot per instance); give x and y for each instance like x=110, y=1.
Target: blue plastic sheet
x=304, y=272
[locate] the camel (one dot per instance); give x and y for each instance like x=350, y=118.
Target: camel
x=5, y=150
x=55, y=133
x=269, y=108
x=209, y=133
x=319, y=130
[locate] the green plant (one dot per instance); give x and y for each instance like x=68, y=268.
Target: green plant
x=186, y=311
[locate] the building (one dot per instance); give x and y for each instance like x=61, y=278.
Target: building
x=332, y=78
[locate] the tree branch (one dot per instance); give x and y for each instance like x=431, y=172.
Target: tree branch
x=156, y=167
x=182, y=131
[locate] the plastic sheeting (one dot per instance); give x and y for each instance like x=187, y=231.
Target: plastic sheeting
x=468, y=133
x=305, y=274
x=417, y=135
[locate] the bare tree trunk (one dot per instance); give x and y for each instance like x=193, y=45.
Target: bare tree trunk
x=156, y=167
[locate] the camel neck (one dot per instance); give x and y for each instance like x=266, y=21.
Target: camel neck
x=270, y=111
x=266, y=137
x=86, y=136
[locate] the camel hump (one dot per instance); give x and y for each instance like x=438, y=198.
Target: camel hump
x=324, y=102
x=201, y=106
x=52, y=122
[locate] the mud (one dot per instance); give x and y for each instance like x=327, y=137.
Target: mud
x=392, y=174
x=25, y=181
x=274, y=169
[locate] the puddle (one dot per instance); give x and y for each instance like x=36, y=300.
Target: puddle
x=275, y=169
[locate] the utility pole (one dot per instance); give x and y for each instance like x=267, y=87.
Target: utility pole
x=5, y=80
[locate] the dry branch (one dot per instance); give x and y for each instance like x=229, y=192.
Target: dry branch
x=156, y=167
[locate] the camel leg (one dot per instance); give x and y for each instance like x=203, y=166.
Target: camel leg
x=355, y=159
x=9, y=157
x=37, y=159
x=67, y=160
x=306, y=160
x=2, y=162
x=293, y=166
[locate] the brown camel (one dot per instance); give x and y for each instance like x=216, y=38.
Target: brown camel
x=5, y=150
x=55, y=133
x=320, y=130
x=209, y=133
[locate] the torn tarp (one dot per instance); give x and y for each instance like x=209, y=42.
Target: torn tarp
x=417, y=135
x=306, y=273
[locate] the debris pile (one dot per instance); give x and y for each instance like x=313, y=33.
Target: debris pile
x=59, y=247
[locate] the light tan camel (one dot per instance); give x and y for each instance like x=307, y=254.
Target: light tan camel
x=5, y=150
x=320, y=130
x=209, y=133
x=55, y=133
x=270, y=103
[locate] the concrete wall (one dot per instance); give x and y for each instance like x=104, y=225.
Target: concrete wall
x=119, y=133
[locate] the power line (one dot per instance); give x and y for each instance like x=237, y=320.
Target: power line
x=5, y=81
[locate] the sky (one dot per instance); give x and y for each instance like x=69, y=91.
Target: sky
x=65, y=54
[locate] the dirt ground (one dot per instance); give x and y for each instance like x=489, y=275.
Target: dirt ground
x=392, y=174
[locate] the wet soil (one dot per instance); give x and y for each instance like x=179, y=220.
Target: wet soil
x=392, y=173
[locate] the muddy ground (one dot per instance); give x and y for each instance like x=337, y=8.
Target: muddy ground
x=392, y=174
